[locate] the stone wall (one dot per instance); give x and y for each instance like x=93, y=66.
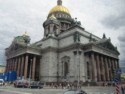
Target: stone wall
x=48, y=67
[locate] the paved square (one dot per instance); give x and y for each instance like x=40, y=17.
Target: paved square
x=89, y=90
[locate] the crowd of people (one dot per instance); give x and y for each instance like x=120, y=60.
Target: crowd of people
x=75, y=85
x=64, y=85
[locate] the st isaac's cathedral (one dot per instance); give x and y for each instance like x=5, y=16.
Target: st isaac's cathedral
x=67, y=52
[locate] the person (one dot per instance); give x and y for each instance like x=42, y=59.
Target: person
x=68, y=86
x=122, y=89
x=55, y=85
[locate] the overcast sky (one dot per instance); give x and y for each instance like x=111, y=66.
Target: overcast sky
x=96, y=16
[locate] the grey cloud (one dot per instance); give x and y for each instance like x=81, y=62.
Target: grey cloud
x=2, y=57
x=121, y=39
x=16, y=17
x=122, y=62
x=115, y=18
x=114, y=22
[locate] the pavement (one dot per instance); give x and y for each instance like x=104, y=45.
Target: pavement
x=48, y=90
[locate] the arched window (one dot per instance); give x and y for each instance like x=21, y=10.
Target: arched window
x=65, y=66
x=66, y=69
x=60, y=15
x=48, y=29
x=54, y=28
x=56, y=15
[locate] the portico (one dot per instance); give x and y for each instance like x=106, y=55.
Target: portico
x=26, y=65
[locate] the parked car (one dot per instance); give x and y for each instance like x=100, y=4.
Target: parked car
x=75, y=92
x=21, y=83
x=36, y=84
x=1, y=82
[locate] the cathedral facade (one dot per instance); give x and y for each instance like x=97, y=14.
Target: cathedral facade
x=67, y=52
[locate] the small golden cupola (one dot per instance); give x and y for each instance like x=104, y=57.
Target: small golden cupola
x=51, y=27
x=25, y=34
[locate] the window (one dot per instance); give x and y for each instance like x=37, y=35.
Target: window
x=66, y=69
x=65, y=66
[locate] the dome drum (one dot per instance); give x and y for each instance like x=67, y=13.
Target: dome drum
x=65, y=20
x=47, y=22
x=60, y=15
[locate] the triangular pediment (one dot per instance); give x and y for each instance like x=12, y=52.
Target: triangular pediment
x=107, y=45
x=15, y=46
x=19, y=42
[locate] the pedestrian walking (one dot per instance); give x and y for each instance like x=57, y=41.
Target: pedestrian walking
x=68, y=86
x=122, y=89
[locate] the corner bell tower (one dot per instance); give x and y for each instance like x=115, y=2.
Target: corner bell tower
x=61, y=16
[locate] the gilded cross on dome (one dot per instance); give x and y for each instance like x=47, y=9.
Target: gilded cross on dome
x=59, y=2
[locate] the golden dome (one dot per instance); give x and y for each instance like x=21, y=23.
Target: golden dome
x=59, y=8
